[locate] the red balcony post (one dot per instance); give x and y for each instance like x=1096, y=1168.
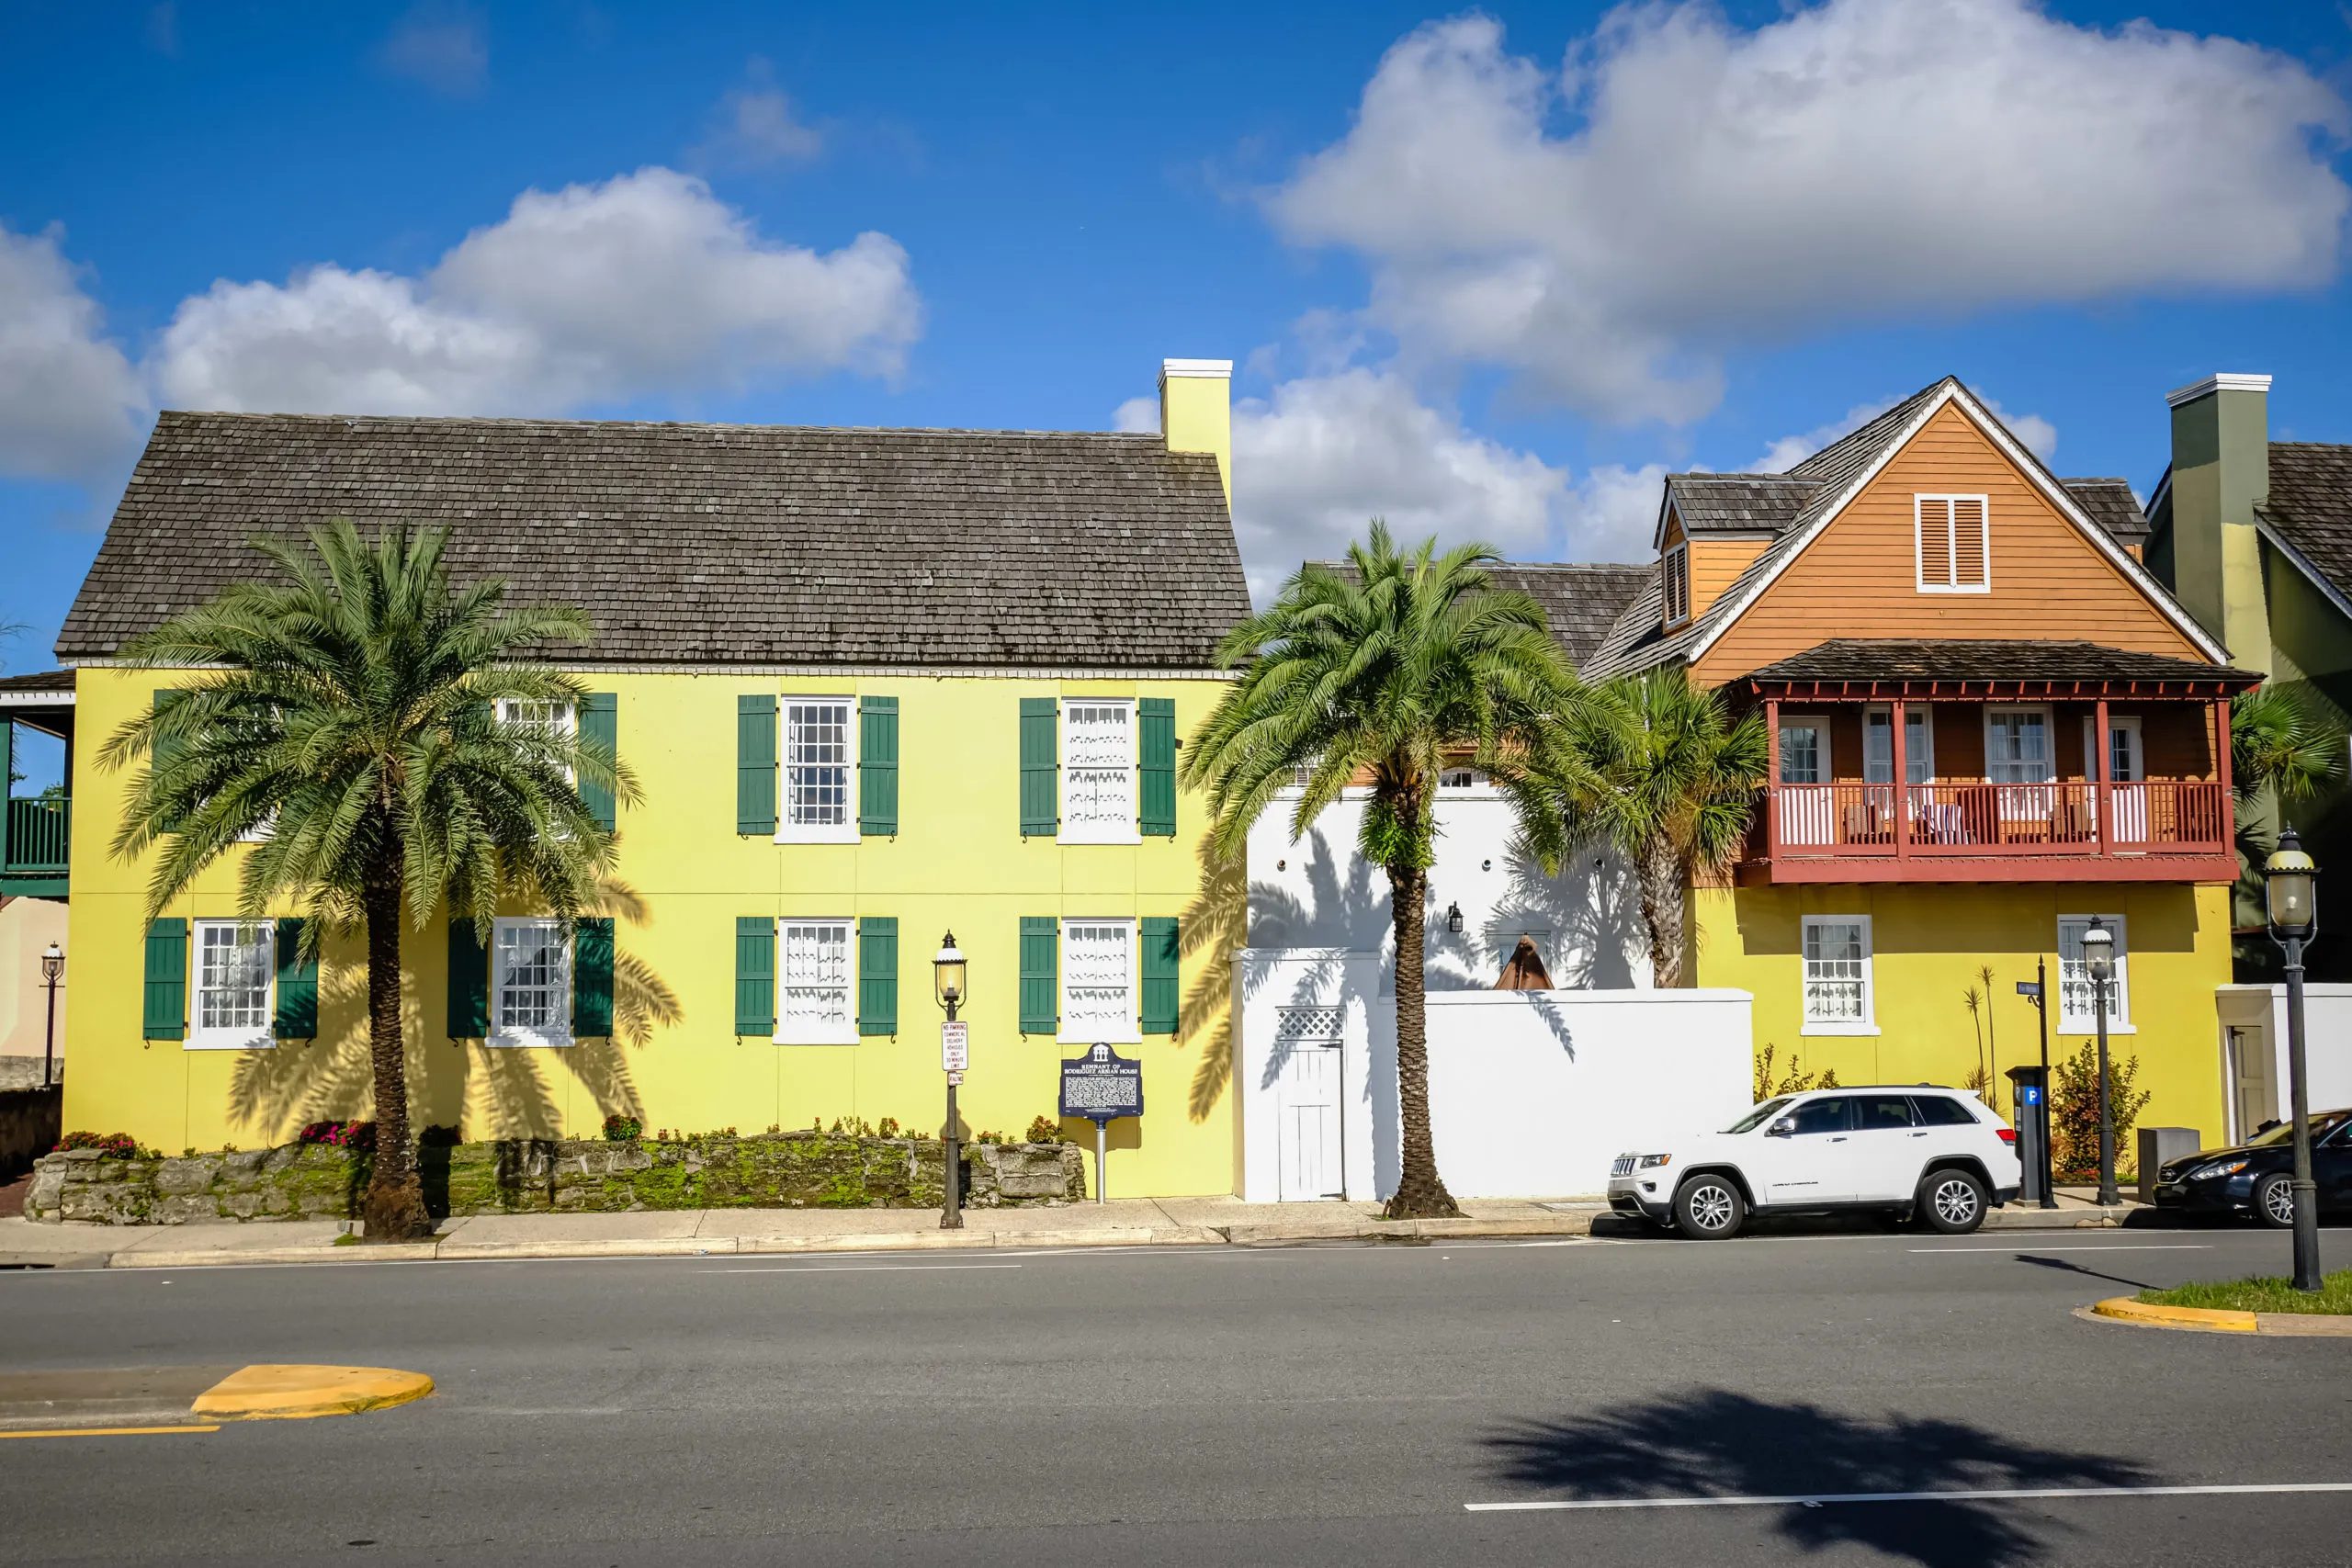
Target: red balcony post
x=2227, y=822
x=1772, y=778
x=1902, y=791
x=2104, y=798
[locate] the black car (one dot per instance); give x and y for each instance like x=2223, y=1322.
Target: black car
x=2257, y=1177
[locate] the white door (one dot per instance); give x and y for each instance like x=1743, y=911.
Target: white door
x=1307, y=1101
x=1804, y=794
x=2126, y=774
x=2251, y=1097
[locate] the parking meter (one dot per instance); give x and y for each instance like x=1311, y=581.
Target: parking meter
x=2030, y=1115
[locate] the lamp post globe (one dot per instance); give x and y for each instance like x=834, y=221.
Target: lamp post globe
x=2099, y=962
x=52, y=963
x=947, y=974
x=2291, y=892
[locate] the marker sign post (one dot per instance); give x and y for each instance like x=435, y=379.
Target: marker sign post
x=1100, y=1086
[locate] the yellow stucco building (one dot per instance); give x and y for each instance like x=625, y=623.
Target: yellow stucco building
x=876, y=686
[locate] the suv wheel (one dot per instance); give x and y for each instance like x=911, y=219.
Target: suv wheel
x=2274, y=1201
x=1952, y=1202
x=1709, y=1208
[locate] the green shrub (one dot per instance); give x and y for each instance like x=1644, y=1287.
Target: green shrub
x=620, y=1129
x=2074, y=1107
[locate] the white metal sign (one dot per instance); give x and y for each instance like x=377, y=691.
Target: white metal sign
x=954, y=1047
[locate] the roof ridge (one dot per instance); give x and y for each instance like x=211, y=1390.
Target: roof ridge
x=538, y=423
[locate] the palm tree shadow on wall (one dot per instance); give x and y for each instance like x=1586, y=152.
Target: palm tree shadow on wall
x=1214, y=925
x=1714, y=1443
x=277, y=1092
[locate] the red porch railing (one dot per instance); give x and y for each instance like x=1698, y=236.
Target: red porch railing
x=1980, y=819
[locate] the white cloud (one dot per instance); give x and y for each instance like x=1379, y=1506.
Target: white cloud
x=70, y=404
x=646, y=284
x=1856, y=160
x=1612, y=514
x=2037, y=434
x=441, y=48
x=754, y=126
x=1138, y=416
x=1790, y=451
x=1326, y=454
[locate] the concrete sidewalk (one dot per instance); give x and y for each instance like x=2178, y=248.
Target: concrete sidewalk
x=1134, y=1221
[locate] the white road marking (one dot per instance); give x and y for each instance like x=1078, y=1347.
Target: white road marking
x=1820, y=1499
x=861, y=1268
x=2013, y=1251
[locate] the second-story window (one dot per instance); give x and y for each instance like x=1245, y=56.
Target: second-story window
x=1954, y=544
x=1677, y=584
x=1098, y=772
x=817, y=769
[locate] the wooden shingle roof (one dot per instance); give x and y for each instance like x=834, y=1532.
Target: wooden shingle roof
x=707, y=544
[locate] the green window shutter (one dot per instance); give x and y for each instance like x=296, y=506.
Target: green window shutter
x=468, y=984
x=298, y=987
x=164, y=753
x=592, y=979
x=755, y=976
x=877, y=975
x=1161, y=987
x=1157, y=717
x=1040, y=991
x=600, y=725
x=166, y=991
x=755, y=764
x=878, y=767
x=1041, y=806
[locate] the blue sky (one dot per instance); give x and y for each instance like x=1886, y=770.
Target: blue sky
x=1488, y=271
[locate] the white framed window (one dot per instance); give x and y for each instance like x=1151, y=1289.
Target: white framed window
x=1457, y=781
x=1838, y=982
x=535, y=713
x=1804, y=748
x=2077, y=1009
x=1675, y=584
x=814, y=1006
x=2124, y=761
x=1098, y=965
x=236, y=985
x=1878, y=745
x=820, y=772
x=530, y=981
x=2017, y=746
x=1952, y=544
x=1098, y=772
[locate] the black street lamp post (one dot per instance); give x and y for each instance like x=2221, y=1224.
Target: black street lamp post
x=2098, y=958
x=53, y=968
x=2289, y=891
x=947, y=977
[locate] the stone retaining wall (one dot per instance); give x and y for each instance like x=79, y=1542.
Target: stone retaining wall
x=786, y=1170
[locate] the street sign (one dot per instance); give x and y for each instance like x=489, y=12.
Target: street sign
x=955, y=1080
x=2030, y=988
x=1102, y=1085
x=954, y=1047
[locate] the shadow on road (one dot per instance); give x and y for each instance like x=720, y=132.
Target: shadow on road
x=2061, y=1263
x=1716, y=1443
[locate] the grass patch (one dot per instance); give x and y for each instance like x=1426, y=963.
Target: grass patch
x=347, y=1240
x=2259, y=1294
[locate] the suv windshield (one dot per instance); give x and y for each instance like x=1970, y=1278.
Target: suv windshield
x=1758, y=1116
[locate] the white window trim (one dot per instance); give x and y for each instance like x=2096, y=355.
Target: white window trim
x=2099, y=760
x=2086, y=1023
x=1869, y=1023
x=1926, y=753
x=524, y=1039
x=1818, y=722
x=202, y=1038
x=1133, y=834
x=1667, y=582
x=567, y=721
x=1951, y=535
x=1479, y=785
x=846, y=1032
x=846, y=831
x=2049, y=743
x=1133, y=1032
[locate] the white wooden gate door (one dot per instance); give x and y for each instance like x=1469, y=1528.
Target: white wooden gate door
x=1306, y=1101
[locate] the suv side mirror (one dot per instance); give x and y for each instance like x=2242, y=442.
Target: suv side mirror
x=1786, y=1127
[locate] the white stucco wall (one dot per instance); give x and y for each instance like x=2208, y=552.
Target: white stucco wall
x=1317, y=892
x=1532, y=1093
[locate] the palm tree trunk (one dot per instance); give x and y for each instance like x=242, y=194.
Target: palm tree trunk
x=1420, y=1193
x=1660, y=873
x=394, y=1207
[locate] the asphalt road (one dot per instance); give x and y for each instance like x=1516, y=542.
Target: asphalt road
x=1310, y=1405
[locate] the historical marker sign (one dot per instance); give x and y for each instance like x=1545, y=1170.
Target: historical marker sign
x=1102, y=1085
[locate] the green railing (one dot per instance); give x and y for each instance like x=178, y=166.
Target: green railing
x=40, y=830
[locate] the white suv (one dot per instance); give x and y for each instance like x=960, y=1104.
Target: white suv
x=1925, y=1151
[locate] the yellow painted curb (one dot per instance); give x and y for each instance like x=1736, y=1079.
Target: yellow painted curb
x=2212, y=1319
x=282, y=1392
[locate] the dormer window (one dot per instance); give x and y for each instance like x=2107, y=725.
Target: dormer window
x=1954, y=544
x=1677, y=580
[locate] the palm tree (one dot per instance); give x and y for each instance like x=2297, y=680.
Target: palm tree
x=1383, y=670
x=342, y=726
x=2277, y=745
x=1668, y=779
